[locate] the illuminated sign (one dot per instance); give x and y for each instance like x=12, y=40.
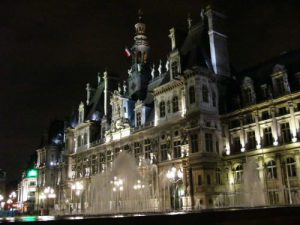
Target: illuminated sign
x=32, y=173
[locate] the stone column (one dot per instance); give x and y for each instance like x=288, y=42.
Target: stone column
x=242, y=135
x=274, y=126
x=257, y=131
x=280, y=178
x=293, y=122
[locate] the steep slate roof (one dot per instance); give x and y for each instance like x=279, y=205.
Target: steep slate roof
x=195, y=50
x=261, y=74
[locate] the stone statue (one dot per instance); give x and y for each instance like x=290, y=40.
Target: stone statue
x=130, y=72
x=119, y=88
x=159, y=68
x=99, y=78
x=124, y=87
x=167, y=65
x=153, y=71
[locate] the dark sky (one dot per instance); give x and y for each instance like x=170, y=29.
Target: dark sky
x=49, y=50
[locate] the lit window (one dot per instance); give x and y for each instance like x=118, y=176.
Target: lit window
x=137, y=149
x=271, y=170
x=177, y=149
x=138, y=119
x=192, y=95
x=147, y=145
x=268, y=139
x=291, y=167
x=164, y=152
x=238, y=174
x=204, y=93
x=285, y=133
x=251, y=142
x=194, y=142
x=175, y=104
x=208, y=142
x=162, y=109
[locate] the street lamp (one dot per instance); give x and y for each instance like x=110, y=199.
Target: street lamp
x=174, y=175
x=77, y=187
x=46, y=195
x=117, y=187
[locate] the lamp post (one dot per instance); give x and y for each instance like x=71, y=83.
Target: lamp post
x=46, y=195
x=77, y=187
x=174, y=175
x=117, y=187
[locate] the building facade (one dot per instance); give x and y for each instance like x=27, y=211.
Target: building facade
x=184, y=134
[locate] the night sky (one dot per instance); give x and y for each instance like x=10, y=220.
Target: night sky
x=49, y=50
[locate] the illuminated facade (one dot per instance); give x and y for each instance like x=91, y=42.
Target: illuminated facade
x=191, y=127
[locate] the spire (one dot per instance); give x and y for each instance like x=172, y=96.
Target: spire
x=189, y=21
x=140, y=14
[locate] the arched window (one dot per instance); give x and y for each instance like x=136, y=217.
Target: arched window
x=192, y=94
x=175, y=104
x=238, y=173
x=214, y=99
x=271, y=170
x=162, y=109
x=291, y=167
x=205, y=93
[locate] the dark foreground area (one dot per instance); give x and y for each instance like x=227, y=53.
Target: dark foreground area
x=257, y=216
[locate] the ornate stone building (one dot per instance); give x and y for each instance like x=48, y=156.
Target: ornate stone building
x=184, y=134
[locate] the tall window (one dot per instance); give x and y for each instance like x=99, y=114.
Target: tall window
x=164, y=152
x=218, y=176
x=285, y=133
x=162, y=109
x=147, y=145
x=168, y=106
x=208, y=181
x=194, y=143
x=174, y=68
x=271, y=170
x=138, y=119
x=280, y=85
x=251, y=140
x=214, y=99
x=177, y=149
x=199, y=180
x=238, y=174
x=208, y=142
x=192, y=95
x=268, y=139
x=204, y=93
x=247, y=95
x=175, y=104
x=137, y=149
x=291, y=167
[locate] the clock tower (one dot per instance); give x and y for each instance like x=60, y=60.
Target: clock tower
x=139, y=73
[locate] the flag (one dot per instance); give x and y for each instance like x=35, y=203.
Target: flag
x=127, y=52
